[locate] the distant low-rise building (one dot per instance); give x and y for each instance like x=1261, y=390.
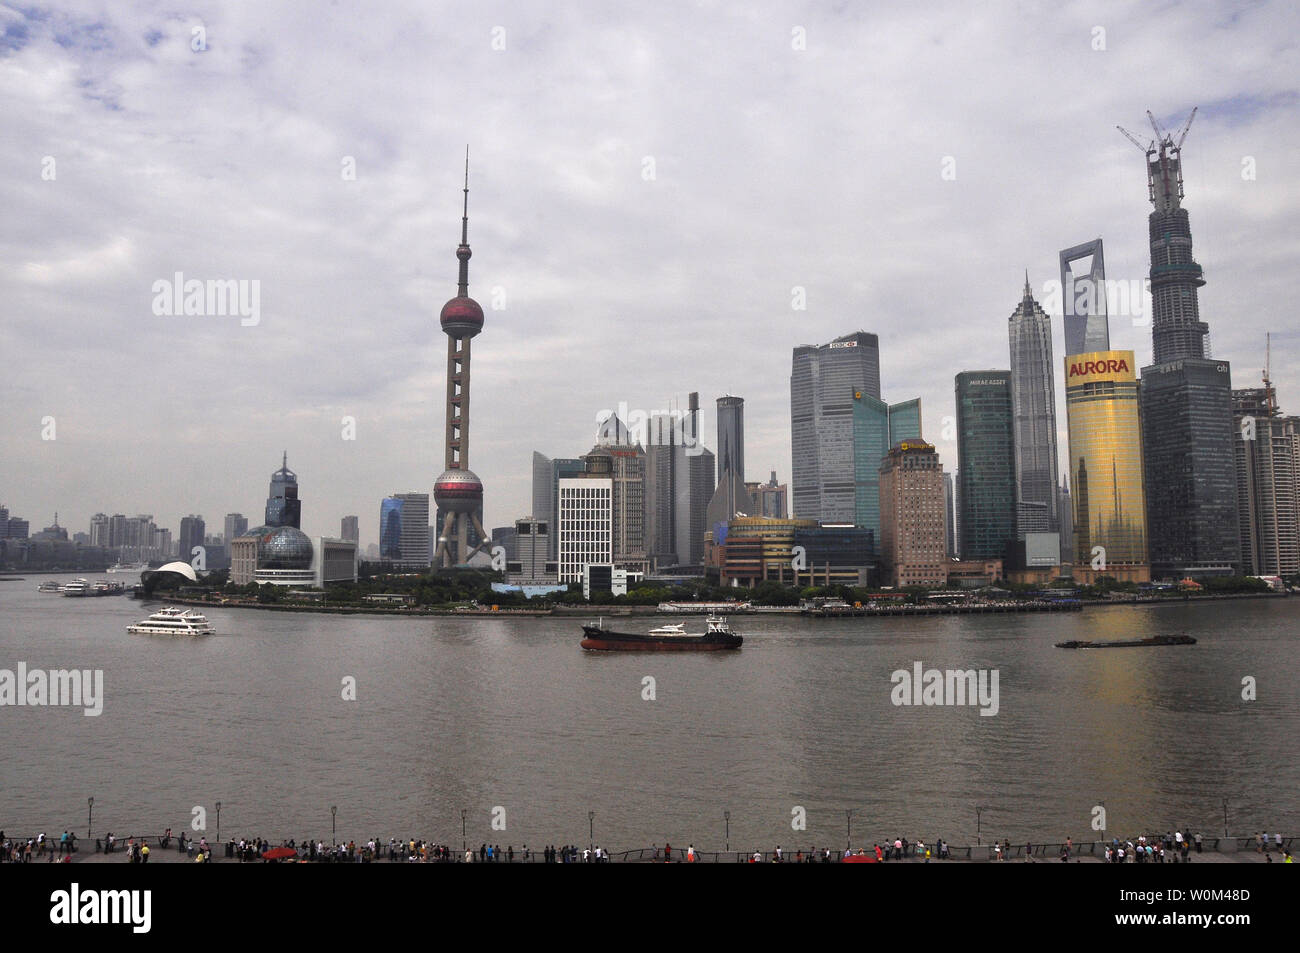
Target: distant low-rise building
x=759, y=549
x=974, y=573
x=834, y=555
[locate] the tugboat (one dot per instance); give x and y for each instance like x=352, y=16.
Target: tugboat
x=666, y=638
x=1127, y=643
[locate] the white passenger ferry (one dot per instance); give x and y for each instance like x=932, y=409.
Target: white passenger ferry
x=172, y=621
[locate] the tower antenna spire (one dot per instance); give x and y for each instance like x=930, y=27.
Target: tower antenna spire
x=463, y=253
x=464, y=218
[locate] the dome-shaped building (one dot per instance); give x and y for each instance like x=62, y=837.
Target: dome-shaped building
x=285, y=555
x=282, y=547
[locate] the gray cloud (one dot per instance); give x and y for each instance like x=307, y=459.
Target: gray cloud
x=774, y=167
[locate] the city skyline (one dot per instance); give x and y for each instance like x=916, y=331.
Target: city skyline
x=352, y=271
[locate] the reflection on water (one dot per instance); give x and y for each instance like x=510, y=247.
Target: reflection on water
x=510, y=713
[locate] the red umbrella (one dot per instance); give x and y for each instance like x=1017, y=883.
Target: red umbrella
x=858, y=859
x=279, y=853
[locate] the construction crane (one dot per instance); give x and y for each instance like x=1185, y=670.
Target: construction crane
x=1186, y=126
x=1149, y=149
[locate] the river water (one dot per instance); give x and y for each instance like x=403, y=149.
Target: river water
x=510, y=720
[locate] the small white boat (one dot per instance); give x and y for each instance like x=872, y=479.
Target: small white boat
x=78, y=587
x=50, y=585
x=173, y=621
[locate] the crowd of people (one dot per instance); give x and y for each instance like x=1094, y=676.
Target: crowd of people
x=29, y=849
x=1170, y=847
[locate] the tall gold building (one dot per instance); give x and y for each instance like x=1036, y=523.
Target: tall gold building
x=1110, y=525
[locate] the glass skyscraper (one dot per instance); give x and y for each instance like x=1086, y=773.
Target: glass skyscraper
x=823, y=379
x=1033, y=405
x=1187, y=441
x=283, y=508
x=390, y=528
x=1083, y=300
x=1107, y=483
x=404, y=531
x=877, y=427
x=986, y=464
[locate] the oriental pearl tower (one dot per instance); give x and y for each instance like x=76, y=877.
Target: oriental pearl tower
x=458, y=493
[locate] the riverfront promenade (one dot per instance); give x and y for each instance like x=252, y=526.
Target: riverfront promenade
x=587, y=611
x=1234, y=850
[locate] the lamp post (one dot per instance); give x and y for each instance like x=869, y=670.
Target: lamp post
x=591, y=828
x=334, y=813
x=1225, y=818
x=218, y=822
x=464, y=844
x=848, y=821
x=726, y=818
x=90, y=813
x=978, y=810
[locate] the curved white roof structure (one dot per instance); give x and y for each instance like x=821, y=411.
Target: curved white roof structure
x=185, y=569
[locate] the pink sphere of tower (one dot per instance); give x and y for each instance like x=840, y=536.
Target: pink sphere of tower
x=459, y=491
x=461, y=317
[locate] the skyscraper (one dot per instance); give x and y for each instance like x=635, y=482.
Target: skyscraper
x=283, y=507
x=458, y=492
x=679, y=485
x=543, y=491
x=772, y=499
x=1065, y=510
x=404, y=530
x=731, y=437
x=191, y=536
x=1186, y=400
x=950, y=520
x=1033, y=406
x=349, y=529
x=1106, y=473
x=586, y=518
x=912, y=543
x=625, y=468
x=1083, y=300
x=731, y=495
x=986, y=462
x=823, y=379
x=235, y=527
x=877, y=427
x=1268, y=483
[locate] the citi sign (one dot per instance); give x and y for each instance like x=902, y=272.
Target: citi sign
x=1109, y=365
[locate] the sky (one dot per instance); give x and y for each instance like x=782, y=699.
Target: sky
x=653, y=194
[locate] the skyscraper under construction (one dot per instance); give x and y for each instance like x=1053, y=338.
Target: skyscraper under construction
x=1185, y=397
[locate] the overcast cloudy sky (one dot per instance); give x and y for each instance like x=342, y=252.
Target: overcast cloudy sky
x=647, y=188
